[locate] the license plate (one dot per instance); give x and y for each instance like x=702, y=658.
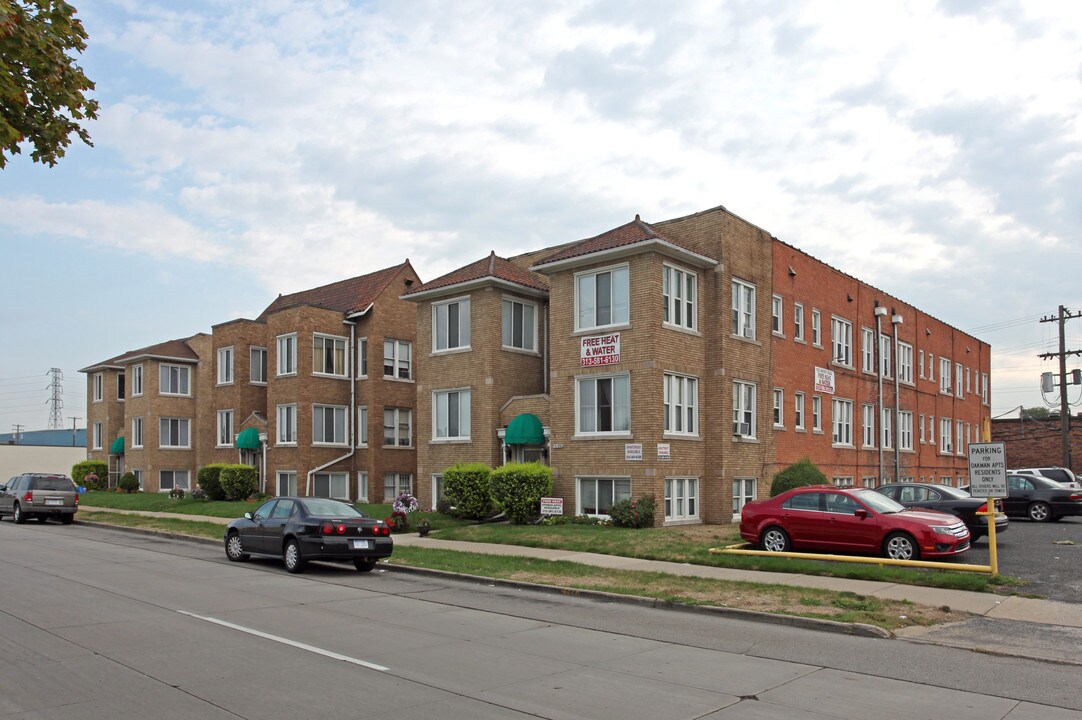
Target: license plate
x=362, y=544
x=54, y=501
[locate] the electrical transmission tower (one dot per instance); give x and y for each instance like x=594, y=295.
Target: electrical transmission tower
x=56, y=401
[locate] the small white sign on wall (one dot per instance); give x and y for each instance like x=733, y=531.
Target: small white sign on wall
x=632, y=451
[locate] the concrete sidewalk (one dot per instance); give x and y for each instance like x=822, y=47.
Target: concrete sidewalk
x=988, y=605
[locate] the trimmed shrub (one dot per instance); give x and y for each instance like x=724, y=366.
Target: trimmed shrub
x=210, y=480
x=632, y=513
x=128, y=483
x=97, y=468
x=802, y=472
x=238, y=481
x=466, y=486
x=518, y=488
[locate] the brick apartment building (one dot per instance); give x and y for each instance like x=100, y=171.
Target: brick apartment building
x=290, y=392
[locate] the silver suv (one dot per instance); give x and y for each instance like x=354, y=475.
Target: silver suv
x=1060, y=474
x=40, y=495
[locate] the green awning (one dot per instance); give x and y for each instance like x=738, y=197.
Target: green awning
x=525, y=429
x=248, y=439
x=117, y=448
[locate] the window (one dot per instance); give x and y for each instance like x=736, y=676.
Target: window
x=984, y=388
x=868, y=424
x=681, y=498
x=842, y=418
x=329, y=424
x=329, y=355
x=945, y=445
x=841, y=339
x=172, y=479
x=596, y=495
x=174, y=432
x=287, y=482
x=681, y=405
x=776, y=314
x=139, y=476
x=287, y=424
x=779, y=407
x=798, y=322
x=362, y=487
x=905, y=362
x=258, y=365
x=225, y=366
x=362, y=358
x=331, y=485
x=136, y=380
x=931, y=429
x=451, y=325
x=362, y=426
x=437, y=488
x=396, y=483
x=817, y=413
x=867, y=350
x=959, y=437
x=743, y=309
x=920, y=363
x=743, y=409
x=958, y=380
x=397, y=427
x=136, y=432
x=885, y=362
x=968, y=390
x=888, y=428
x=817, y=340
x=519, y=325
x=225, y=428
x=944, y=375
x=680, y=297
x=931, y=367
x=97, y=438
x=99, y=386
x=743, y=493
x=921, y=425
x=287, y=354
x=798, y=410
x=396, y=359
x=120, y=386
x=174, y=380
x=602, y=298
x=603, y=404
x=452, y=411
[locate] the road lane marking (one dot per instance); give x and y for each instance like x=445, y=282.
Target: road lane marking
x=287, y=641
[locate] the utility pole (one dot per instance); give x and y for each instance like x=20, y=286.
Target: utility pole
x=56, y=401
x=1064, y=410
x=18, y=433
x=73, y=420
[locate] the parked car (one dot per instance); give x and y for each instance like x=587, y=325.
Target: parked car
x=1062, y=475
x=945, y=498
x=41, y=496
x=1041, y=499
x=299, y=529
x=857, y=520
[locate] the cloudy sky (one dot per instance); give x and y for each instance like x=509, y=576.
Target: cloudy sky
x=933, y=149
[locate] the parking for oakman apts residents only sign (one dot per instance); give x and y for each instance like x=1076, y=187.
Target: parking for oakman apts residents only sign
x=987, y=470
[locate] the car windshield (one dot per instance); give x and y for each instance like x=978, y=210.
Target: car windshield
x=53, y=482
x=878, y=501
x=325, y=507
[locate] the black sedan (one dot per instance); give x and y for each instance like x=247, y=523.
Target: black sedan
x=1041, y=499
x=949, y=500
x=299, y=529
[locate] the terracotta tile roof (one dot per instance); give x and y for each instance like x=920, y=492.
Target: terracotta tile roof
x=491, y=267
x=346, y=296
x=632, y=233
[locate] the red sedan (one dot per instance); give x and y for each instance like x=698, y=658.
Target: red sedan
x=853, y=520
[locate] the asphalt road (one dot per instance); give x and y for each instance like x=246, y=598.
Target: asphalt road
x=100, y=623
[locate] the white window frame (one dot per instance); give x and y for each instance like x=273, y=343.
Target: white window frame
x=867, y=413
x=798, y=410
x=745, y=490
x=174, y=475
x=958, y=384
x=441, y=325
x=441, y=408
x=984, y=388
x=779, y=408
x=960, y=446
x=920, y=364
x=337, y=485
x=867, y=350
x=681, y=499
x=181, y=373
x=137, y=380
x=617, y=487
x=136, y=433
x=257, y=365
x=905, y=363
x=225, y=365
x=396, y=422
x=338, y=417
x=398, y=356
x=817, y=328
x=886, y=362
x=362, y=358
x=286, y=424
x=330, y=351
x=588, y=418
x=183, y=433
x=841, y=341
x=285, y=482
x=99, y=387
x=817, y=413
x=525, y=321
x=921, y=424
x=905, y=430
x=745, y=397
x=931, y=367
x=888, y=428
x=396, y=483
x=743, y=302
x=968, y=390
x=680, y=400
x=945, y=376
x=285, y=355
x=362, y=426
x=798, y=322
x=619, y=300
x=777, y=315
x=97, y=437
x=225, y=428
x=946, y=446
x=841, y=418
x=681, y=304
x=362, y=486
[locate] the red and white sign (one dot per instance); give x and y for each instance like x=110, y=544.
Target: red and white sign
x=552, y=506
x=664, y=451
x=824, y=380
x=600, y=350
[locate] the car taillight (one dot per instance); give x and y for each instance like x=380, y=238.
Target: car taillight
x=329, y=528
x=381, y=530
x=1076, y=496
x=29, y=496
x=983, y=508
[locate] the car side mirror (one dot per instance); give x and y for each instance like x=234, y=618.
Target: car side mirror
x=861, y=513
x=248, y=516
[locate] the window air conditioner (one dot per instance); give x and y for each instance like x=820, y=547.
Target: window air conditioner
x=742, y=429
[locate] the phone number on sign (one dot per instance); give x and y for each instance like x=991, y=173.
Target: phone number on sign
x=600, y=360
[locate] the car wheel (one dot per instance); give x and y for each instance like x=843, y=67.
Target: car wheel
x=900, y=546
x=291, y=556
x=234, y=548
x=364, y=565
x=67, y=519
x=18, y=515
x=774, y=539
x=1039, y=512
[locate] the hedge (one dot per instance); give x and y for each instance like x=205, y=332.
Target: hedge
x=467, y=487
x=518, y=488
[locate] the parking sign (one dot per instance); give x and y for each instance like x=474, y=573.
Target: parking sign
x=987, y=470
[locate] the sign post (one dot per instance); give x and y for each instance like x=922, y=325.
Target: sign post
x=988, y=479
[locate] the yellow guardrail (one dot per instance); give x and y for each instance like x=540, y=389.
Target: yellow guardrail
x=741, y=549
